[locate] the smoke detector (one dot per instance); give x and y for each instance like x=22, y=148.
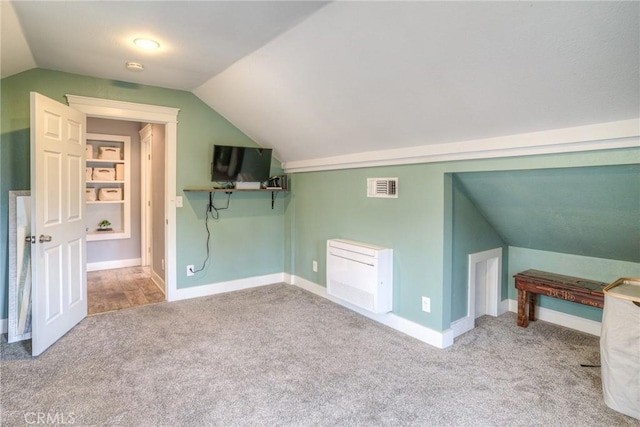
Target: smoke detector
x=134, y=66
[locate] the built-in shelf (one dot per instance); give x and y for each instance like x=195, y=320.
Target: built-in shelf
x=212, y=190
x=104, y=233
x=100, y=202
x=117, y=212
x=104, y=160
x=104, y=182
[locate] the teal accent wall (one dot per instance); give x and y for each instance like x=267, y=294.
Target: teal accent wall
x=592, y=211
x=247, y=240
x=587, y=213
x=471, y=233
x=600, y=269
x=334, y=204
x=429, y=257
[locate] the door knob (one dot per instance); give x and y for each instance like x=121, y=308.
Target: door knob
x=44, y=238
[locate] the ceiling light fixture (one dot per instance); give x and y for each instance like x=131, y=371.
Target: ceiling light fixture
x=147, y=44
x=135, y=66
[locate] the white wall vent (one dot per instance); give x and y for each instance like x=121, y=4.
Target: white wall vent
x=382, y=187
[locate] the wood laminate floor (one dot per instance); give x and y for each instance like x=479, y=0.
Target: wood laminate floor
x=109, y=290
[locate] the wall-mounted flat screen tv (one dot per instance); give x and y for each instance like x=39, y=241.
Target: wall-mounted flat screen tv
x=244, y=164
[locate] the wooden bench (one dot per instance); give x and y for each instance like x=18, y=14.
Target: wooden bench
x=532, y=283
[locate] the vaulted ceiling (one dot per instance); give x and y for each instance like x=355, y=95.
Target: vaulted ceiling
x=326, y=80
x=198, y=39
x=315, y=79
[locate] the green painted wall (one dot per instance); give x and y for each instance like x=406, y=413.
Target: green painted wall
x=250, y=239
x=589, y=211
x=418, y=225
x=471, y=233
x=334, y=205
x=603, y=270
x=247, y=240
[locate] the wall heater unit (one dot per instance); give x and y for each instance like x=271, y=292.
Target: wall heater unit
x=360, y=274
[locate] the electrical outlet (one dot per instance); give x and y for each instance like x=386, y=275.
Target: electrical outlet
x=190, y=270
x=178, y=201
x=315, y=266
x=426, y=304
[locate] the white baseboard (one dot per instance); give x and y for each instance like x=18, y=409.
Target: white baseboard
x=229, y=286
x=463, y=325
x=4, y=326
x=422, y=333
x=287, y=278
x=108, y=265
x=563, y=319
x=503, y=307
x=466, y=323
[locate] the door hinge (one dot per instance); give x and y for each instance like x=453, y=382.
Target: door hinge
x=30, y=239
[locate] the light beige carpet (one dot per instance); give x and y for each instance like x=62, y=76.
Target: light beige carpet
x=278, y=355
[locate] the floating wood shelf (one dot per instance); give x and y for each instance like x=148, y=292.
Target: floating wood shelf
x=212, y=190
x=231, y=190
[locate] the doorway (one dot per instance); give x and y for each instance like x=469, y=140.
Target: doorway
x=144, y=113
x=484, y=289
x=127, y=269
x=58, y=189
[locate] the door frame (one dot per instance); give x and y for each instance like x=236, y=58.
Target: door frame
x=493, y=289
x=492, y=283
x=168, y=116
x=146, y=249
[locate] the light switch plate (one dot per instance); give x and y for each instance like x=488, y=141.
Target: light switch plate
x=426, y=304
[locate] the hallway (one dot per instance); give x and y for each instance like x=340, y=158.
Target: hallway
x=110, y=290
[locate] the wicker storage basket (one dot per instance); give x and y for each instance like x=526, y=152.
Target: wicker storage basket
x=110, y=194
x=104, y=174
x=90, y=194
x=109, y=153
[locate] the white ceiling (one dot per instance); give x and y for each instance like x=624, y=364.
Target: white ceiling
x=313, y=80
x=198, y=39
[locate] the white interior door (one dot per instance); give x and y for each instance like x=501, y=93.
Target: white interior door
x=58, y=138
